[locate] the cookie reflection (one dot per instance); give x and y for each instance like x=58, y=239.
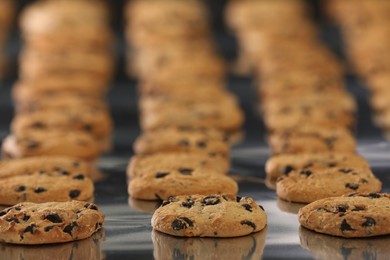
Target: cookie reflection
x=85, y=249
x=145, y=206
x=289, y=207
x=169, y=247
x=329, y=247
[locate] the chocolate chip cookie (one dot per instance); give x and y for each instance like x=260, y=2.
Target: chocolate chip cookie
x=353, y=215
x=51, y=222
x=209, y=216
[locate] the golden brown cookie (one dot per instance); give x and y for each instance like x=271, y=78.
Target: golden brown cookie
x=51, y=222
x=209, y=216
x=354, y=215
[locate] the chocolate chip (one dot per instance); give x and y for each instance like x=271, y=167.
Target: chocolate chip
x=31, y=144
x=188, y=221
x=369, y=222
x=91, y=206
x=332, y=164
x=188, y=204
x=161, y=174
x=352, y=186
x=345, y=226
x=25, y=217
x=184, y=142
x=166, y=202
x=2, y=213
x=342, y=208
x=238, y=198
x=323, y=209
x=20, y=188
x=247, y=207
x=261, y=208
x=306, y=172
x=68, y=229
x=358, y=208
x=74, y=193
x=30, y=229
x=79, y=177
x=40, y=190
x=186, y=171
x=38, y=125
x=345, y=170
x=88, y=127
x=48, y=228
x=201, y=144
x=76, y=164
x=62, y=171
x=248, y=223
x=373, y=195
x=12, y=220
x=53, y=217
x=178, y=224
x=287, y=169
x=211, y=200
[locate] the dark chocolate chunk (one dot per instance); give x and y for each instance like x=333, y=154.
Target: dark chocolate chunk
x=53, y=217
x=374, y=195
x=248, y=223
x=88, y=127
x=178, y=224
x=74, y=193
x=12, y=220
x=342, y=208
x=369, y=222
x=352, y=186
x=186, y=171
x=30, y=229
x=47, y=229
x=358, y=208
x=79, y=177
x=188, y=204
x=31, y=144
x=40, y=190
x=247, y=207
x=306, y=172
x=2, y=213
x=201, y=144
x=238, y=198
x=25, y=217
x=184, y=142
x=20, y=188
x=68, y=229
x=345, y=170
x=188, y=221
x=211, y=200
x=161, y=174
x=38, y=125
x=288, y=169
x=345, y=226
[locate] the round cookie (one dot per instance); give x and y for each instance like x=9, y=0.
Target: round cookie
x=162, y=185
x=354, y=215
x=311, y=139
x=172, y=139
x=317, y=182
x=96, y=123
x=282, y=164
x=45, y=187
x=51, y=142
x=177, y=161
x=209, y=216
x=61, y=164
x=51, y=222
